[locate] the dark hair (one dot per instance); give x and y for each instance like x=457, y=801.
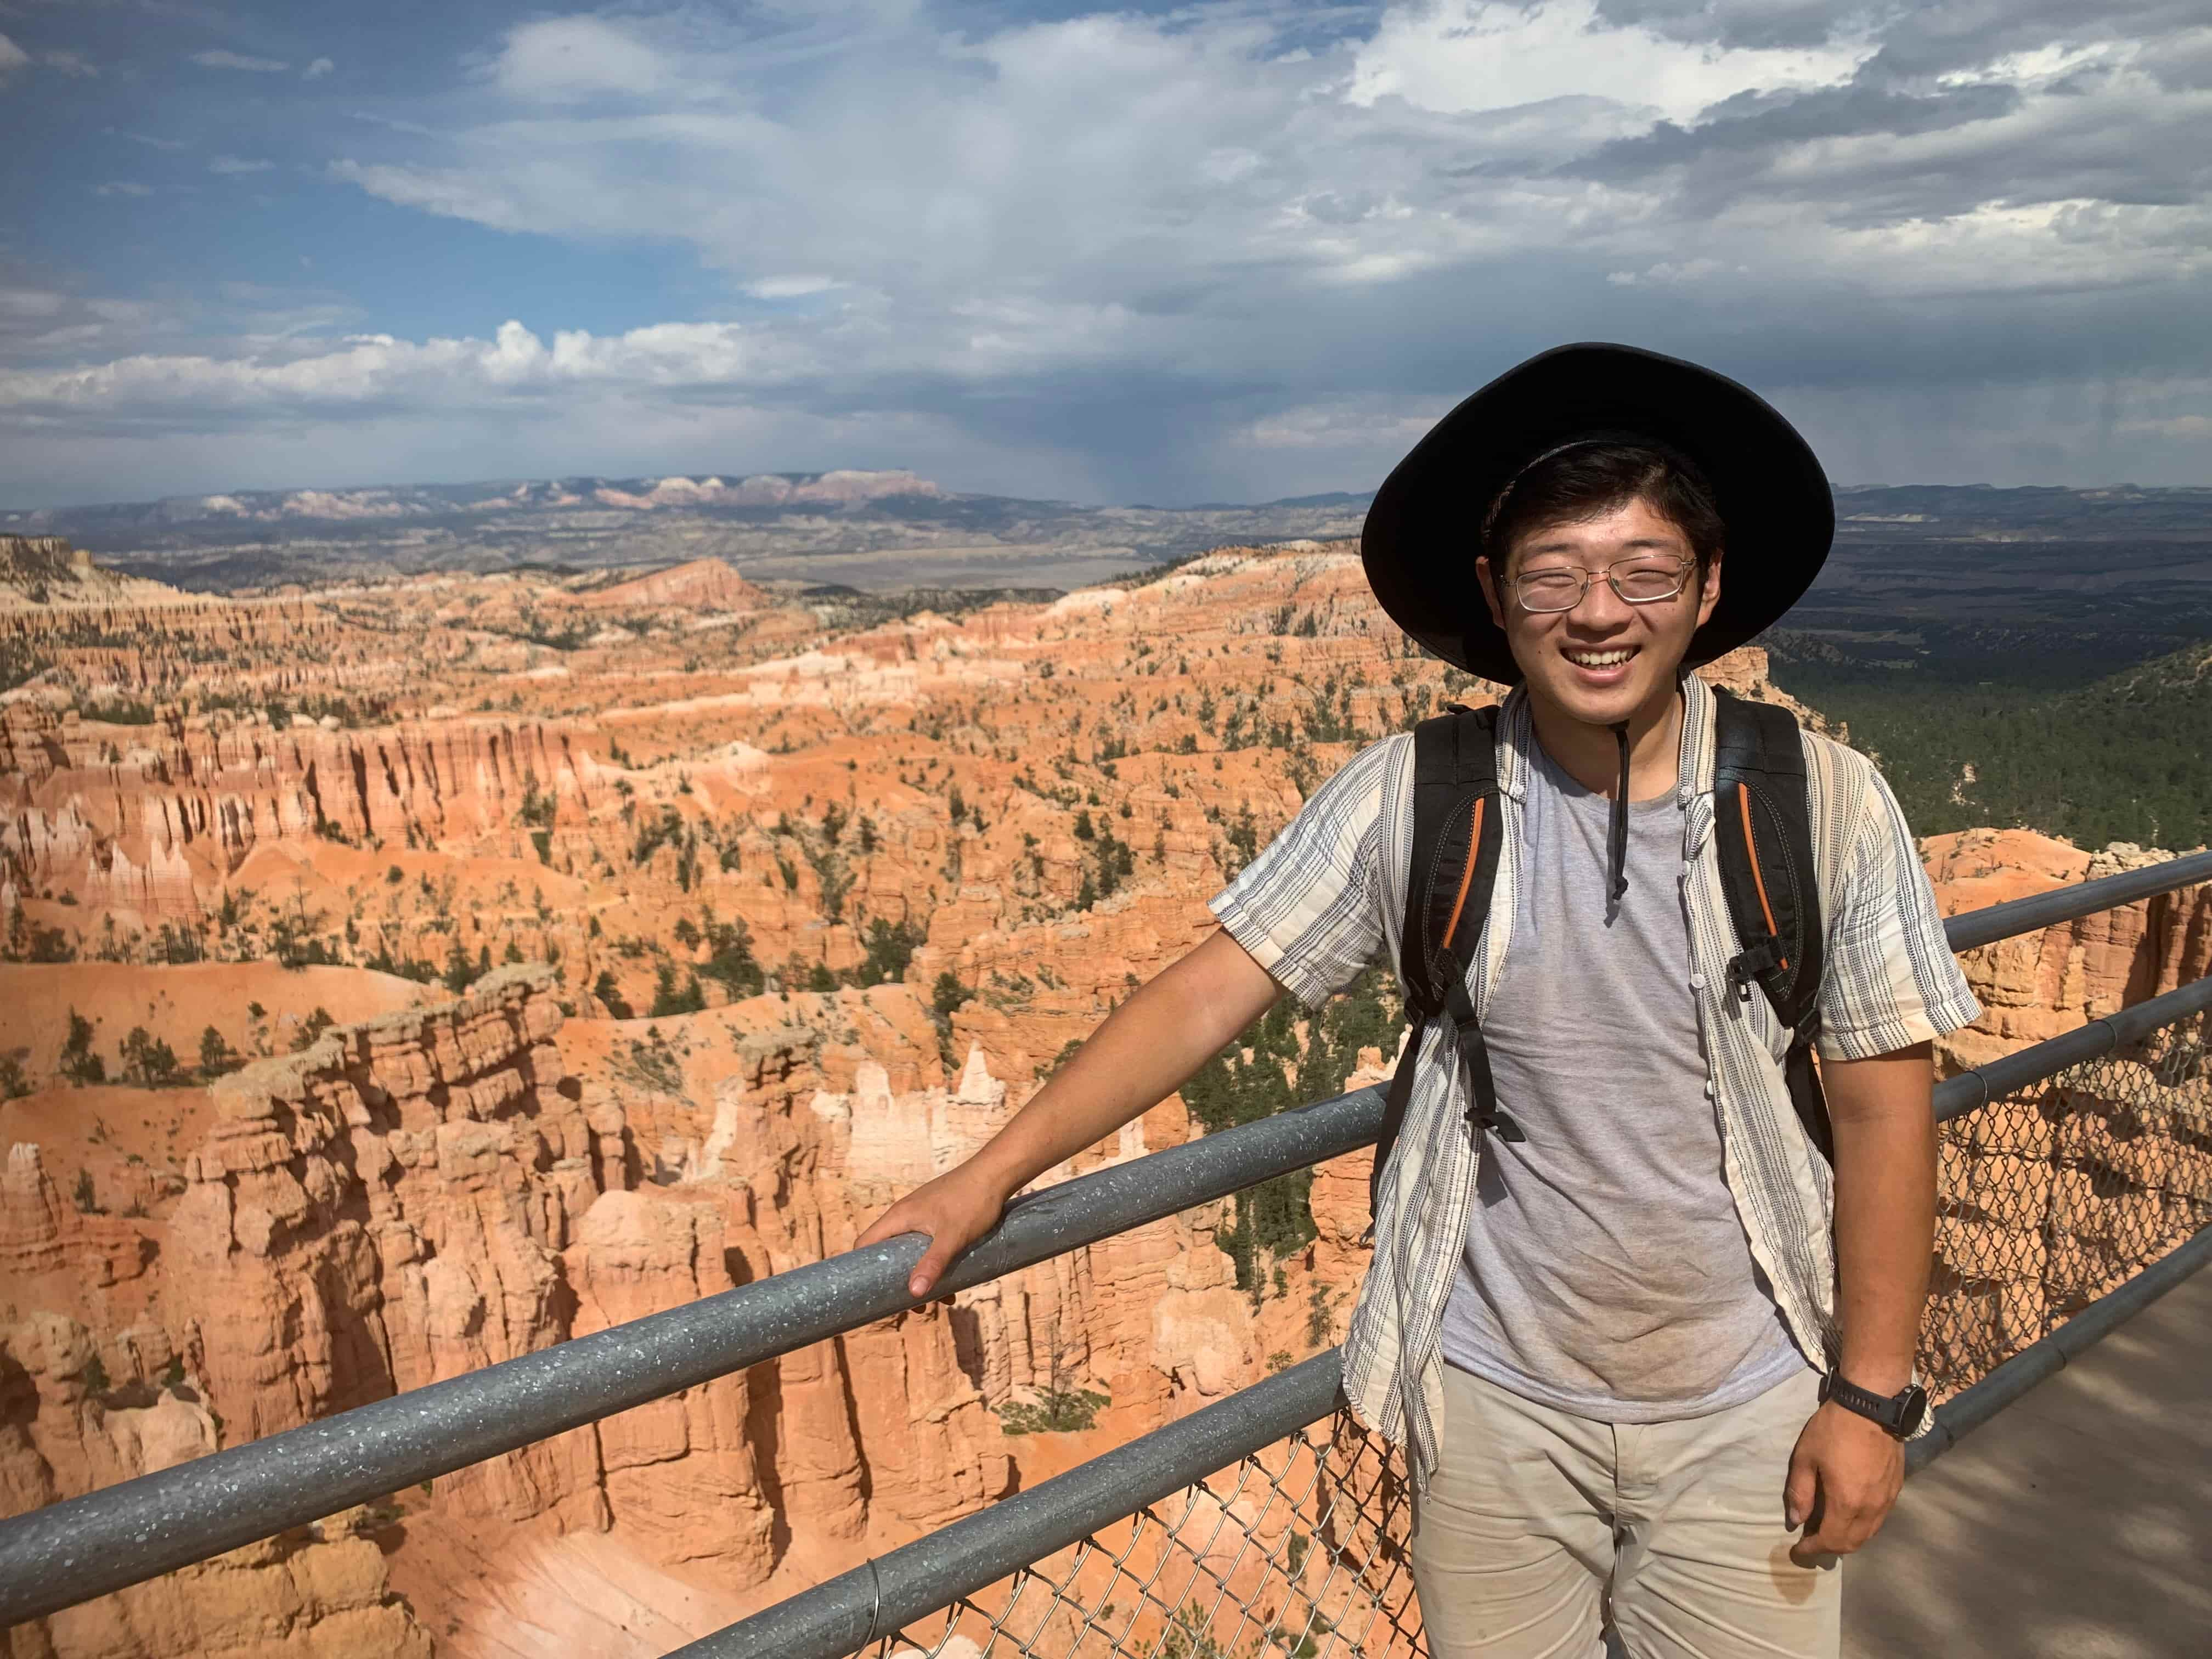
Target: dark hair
x=1590, y=478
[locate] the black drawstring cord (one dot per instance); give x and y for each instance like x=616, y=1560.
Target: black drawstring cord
x=1617, y=849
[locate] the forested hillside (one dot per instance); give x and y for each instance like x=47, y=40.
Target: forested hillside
x=2126, y=757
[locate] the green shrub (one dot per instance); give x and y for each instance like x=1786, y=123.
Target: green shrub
x=668, y=998
x=890, y=949
x=312, y=1028
x=461, y=973
x=78, y=1062
x=651, y=1062
x=537, y=810
x=604, y=990
x=730, y=958
x=948, y=996
x=148, y=1062
x=1057, y=1411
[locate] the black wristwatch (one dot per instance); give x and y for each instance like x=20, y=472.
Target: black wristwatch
x=1898, y=1413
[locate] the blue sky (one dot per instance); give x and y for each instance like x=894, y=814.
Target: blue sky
x=1233, y=251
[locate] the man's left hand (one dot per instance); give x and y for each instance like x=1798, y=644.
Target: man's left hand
x=1844, y=1475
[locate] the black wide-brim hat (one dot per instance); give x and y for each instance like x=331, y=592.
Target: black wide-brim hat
x=1425, y=529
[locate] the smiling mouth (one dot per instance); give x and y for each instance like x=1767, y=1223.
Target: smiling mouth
x=1611, y=657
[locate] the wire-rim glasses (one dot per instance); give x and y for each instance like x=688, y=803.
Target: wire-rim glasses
x=1643, y=579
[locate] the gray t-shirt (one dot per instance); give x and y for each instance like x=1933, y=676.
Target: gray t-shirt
x=1606, y=1271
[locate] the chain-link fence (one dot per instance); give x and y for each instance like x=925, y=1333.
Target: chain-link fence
x=1298, y=1550
x=2049, y=1198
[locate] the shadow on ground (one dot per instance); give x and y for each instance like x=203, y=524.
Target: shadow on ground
x=2074, y=1525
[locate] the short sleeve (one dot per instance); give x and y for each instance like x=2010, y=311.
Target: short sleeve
x=1891, y=980
x=1307, y=908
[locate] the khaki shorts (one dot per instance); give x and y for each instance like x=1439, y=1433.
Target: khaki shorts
x=1539, y=1528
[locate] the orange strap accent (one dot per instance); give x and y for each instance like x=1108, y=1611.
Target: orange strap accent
x=1467, y=876
x=1751, y=847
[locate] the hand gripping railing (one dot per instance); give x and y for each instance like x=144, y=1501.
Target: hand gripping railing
x=89, y=1546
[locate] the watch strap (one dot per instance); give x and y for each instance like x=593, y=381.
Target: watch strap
x=1900, y=1414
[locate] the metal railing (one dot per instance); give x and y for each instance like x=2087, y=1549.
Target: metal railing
x=82, y=1547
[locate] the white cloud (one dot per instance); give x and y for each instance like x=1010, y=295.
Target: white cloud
x=17, y=303
x=1387, y=426
x=75, y=64
x=316, y=70
x=122, y=187
x=1467, y=56
x=46, y=323
x=790, y=287
x=451, y=195
x=221, y=59
x=12, y=56
x=368, y=372
x=233, y=164
x=562, y=59
x=1672, y=273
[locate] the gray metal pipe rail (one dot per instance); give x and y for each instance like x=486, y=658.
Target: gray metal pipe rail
x=90, y=1545
x=844, y=1614
x=2085, y=898
x=1957, y=1096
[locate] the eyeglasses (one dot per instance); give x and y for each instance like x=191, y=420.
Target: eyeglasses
x=1645, y=579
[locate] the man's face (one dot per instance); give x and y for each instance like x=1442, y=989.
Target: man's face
x=1605, y=658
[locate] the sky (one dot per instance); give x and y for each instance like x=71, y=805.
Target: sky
x=1228, y=252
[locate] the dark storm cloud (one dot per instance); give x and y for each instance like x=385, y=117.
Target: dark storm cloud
x=1920, y=42
x=1753, y=23
x=1762, y=125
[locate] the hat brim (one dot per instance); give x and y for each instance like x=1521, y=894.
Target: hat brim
x=1423, y=533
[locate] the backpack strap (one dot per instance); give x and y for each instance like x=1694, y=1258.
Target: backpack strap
x=1457, y=837
x=1765, y=827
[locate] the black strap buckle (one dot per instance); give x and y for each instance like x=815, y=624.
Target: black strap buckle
x=1497, y=1120
x=1754, y=961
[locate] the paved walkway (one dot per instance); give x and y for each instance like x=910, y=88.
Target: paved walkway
x=2076, y=1524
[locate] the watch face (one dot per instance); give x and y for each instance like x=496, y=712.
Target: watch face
x=1913, y=1405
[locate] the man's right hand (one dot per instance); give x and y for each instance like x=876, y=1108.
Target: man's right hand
x=955, y=1209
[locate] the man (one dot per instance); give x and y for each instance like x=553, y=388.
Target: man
x=1650, y=1354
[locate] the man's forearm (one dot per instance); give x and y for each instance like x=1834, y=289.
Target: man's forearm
x=1885, y=1139
x=1144, y=1052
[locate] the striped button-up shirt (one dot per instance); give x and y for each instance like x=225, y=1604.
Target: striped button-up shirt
x=1326, y=897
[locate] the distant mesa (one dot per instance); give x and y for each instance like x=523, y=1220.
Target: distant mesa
x=769, y=489
x=46, y=570
x=705, y=584
x=839, y=488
